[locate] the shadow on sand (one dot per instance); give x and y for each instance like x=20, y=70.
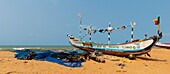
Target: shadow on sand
x=151, y=59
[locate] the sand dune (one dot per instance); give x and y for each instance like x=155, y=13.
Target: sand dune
x=159, y=62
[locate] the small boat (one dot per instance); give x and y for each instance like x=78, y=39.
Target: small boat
x=127, y=49
x=163, y=45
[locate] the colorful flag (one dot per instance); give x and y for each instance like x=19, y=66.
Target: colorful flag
x=157, y=20
x=79, y=15
x=89, y=31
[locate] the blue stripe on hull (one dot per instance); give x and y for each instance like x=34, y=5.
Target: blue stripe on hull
x=115, y=49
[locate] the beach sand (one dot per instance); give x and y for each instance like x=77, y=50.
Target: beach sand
x=158, y=63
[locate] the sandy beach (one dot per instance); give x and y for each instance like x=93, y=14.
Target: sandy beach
x=158, y=63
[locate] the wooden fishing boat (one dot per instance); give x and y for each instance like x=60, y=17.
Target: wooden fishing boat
x=125, y=49
x=163, y=45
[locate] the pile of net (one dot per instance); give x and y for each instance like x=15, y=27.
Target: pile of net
x=66, y=58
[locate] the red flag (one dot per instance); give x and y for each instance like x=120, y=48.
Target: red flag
x=157, y=20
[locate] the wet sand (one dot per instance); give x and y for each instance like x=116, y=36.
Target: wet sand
x=158, y=63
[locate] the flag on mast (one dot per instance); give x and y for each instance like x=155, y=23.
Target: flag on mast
x=157, y=22
x=79, y=15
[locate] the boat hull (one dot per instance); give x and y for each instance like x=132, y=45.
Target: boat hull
x=115, y=51
x=163, y=45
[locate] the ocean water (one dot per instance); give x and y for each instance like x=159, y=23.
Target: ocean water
x=38, y=47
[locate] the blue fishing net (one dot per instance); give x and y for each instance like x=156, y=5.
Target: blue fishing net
x=51, y=56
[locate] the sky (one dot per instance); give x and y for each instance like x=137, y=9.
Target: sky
x=47, y=22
